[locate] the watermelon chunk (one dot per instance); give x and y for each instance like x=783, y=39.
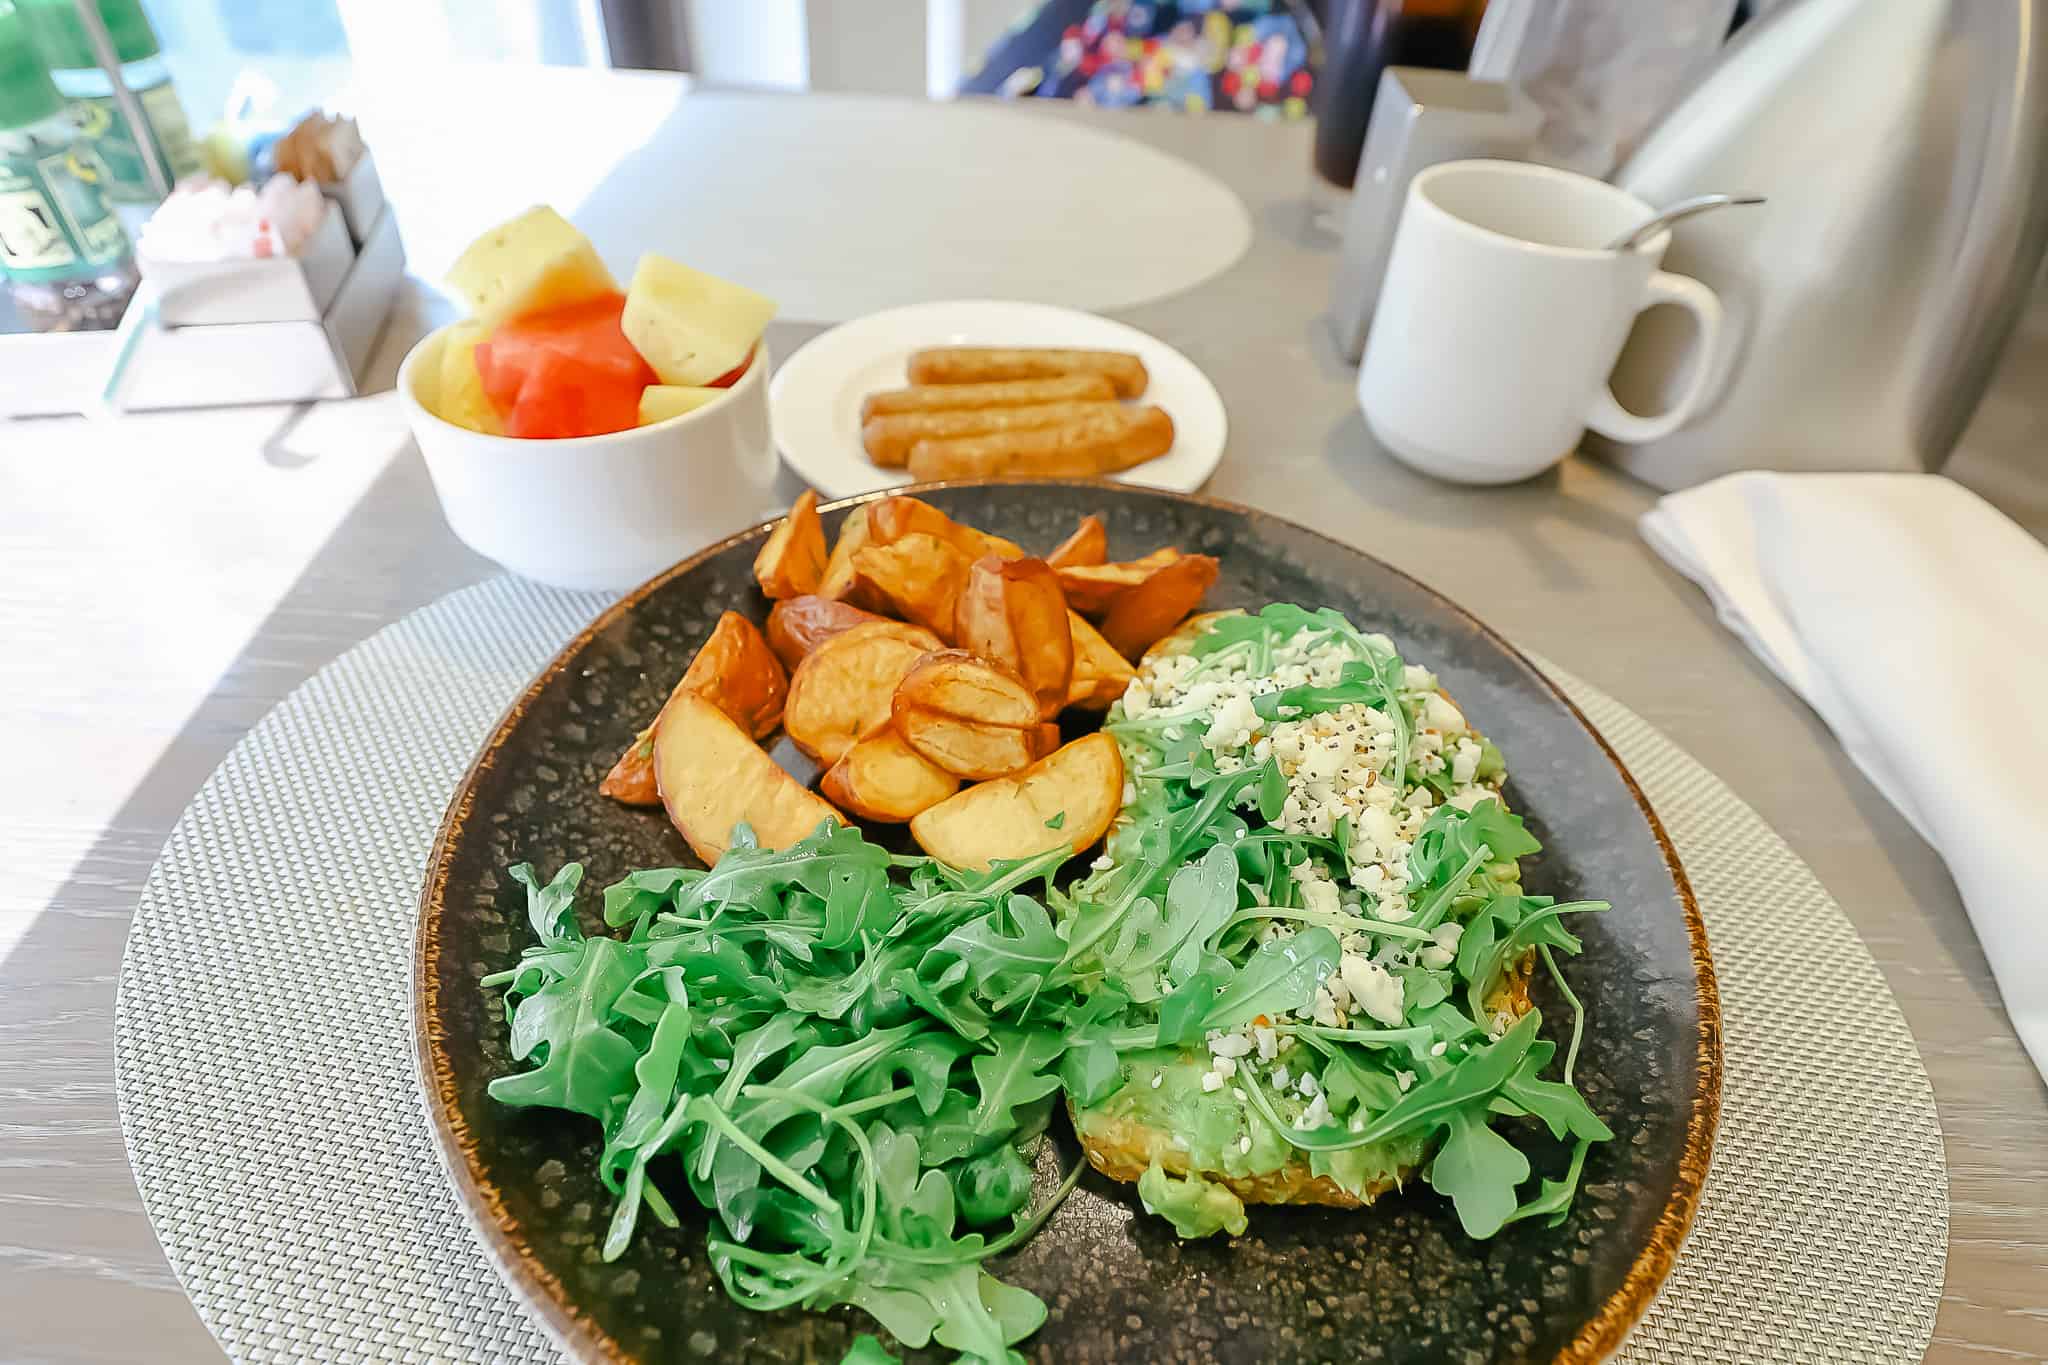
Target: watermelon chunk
x=561, y=396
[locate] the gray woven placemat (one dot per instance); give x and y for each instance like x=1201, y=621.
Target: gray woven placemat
x=271, y=1111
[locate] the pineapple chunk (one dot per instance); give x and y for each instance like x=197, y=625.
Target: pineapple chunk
x=691, y=327
x=659, y=402
x=462, y=399
x=536, y=261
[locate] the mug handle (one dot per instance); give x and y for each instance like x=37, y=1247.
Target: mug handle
x=1611, y=419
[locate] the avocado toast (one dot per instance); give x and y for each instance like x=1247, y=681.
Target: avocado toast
x=1362, y=821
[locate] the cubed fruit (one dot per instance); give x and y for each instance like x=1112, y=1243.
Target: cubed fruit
x=586, y=332
x=462, y=399
x=535, y=262
x=659, y=402
x=560, y=397
x=692, y=327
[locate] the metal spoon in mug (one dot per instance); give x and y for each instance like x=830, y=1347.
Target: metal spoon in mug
x=1684, y=208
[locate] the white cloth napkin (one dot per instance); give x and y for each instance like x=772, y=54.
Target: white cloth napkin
x=1913, y=616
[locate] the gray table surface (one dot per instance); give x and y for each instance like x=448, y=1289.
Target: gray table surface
x=1554, y=563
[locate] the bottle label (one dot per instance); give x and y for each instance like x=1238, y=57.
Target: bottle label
x=101, y=125
x=53, y=221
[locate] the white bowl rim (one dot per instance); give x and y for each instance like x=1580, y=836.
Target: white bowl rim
x=418, y=410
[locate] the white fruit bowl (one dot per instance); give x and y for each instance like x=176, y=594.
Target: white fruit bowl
x=598, y=511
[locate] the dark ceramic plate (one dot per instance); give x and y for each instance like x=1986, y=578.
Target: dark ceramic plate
x=1397, y=1282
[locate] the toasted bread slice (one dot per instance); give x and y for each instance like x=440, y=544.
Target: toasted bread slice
x=1123, y=1148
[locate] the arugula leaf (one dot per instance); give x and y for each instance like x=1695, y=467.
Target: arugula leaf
x=1017, y=1072
x=1281, y=977
x=1478, y=1169
x=1057, y=821
x=551, y=909
x=1090, y=1071
x=584, y=1064
x=1008, y=952
x=1183, y=1015
x=644, y=893
x=867, y=1350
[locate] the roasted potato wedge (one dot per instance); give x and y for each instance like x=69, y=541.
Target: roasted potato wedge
x=1091, y=588
x=792, y=559
x=734, y=671
x=1065, y=799
x=1101, y=675
x=974, y=718
x=712, y=776
x=1012, y=612
x=1088, y=545
x=1177, y=640
x=881, y=778
x=853, y=535
x=798, y=625
x=843, y=688
x=893, y=518
x=917, y=579
x=1141, y=615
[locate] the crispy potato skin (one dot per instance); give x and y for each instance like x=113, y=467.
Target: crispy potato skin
x=918, y=578
x=1101, y=675
x=792, y=559
x=1080, y=786
x=853, y=535
x=1142, y=615
x=1087, y=546
x=900, y=515
x=969, y=716
x=885, y=780
x=798, y=625
x=843, y=688
x=1013, y=612
x=1092, y=588
x=735, y=671
x=712, y=775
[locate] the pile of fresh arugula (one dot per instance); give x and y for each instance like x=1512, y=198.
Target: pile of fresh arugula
x=843, y=1054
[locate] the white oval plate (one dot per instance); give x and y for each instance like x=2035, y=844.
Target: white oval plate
x=814, y=397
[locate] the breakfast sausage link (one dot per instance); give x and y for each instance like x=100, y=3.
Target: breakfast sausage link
x=888, y=438
x=1067, y=388
x=981, y=364
x=1094, y=445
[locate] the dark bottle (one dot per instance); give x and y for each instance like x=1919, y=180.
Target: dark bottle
x=1363, y=38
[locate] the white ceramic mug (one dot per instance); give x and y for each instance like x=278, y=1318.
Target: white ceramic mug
x=1503, y=314
x=598, y=511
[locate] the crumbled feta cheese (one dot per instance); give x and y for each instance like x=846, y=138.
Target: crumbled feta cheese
x=1404, y=1079
x=1325, y=1010
x=1234, y=722
x=1439, y=714
x=1440, y=1049
x=1244, y=1145
x=1130, y=793
x=1318, y=892
x=1226, y=1067
x=1230, y=1044
x=1137, y=698
x=1308, y=1085
x=1211, y=1082
x=1278, y=1078
x=1316, y=1115
x=1267, y=1042
x=1158, y=1079
x=1443, y=945
x=1237, y=1093
x=1376, y=990
x=1358, y=1123
x=1464, y=763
